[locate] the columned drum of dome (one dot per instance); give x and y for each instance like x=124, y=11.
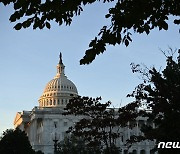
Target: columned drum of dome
x=59, y=90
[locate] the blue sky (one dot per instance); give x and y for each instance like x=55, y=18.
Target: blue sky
x=28, y=60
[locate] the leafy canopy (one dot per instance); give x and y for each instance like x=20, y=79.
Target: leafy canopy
x=126, y=16
x=75, y=145
x=99, y=124
x=15, y=142
x=160, y=93
x=159, y=100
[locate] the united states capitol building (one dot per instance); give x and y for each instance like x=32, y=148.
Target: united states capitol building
x=46, y=121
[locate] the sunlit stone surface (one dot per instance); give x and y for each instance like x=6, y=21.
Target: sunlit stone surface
x=43, y=122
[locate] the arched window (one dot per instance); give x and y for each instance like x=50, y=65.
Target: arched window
x=152, y=151
x=55, y=124
x=134, y=152
x=125, y=151
x=143, y=152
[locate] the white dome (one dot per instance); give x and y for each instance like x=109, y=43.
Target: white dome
x=62, y=85
x=59, y=90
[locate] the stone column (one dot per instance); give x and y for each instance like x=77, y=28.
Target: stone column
x=138, y=150
x=147, y=150
x=34, y=133
x=137, y=128
x=128, y=130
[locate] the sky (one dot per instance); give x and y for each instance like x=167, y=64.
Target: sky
x=28, y=60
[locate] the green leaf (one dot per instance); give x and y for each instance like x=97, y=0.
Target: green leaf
x=129, y=38
x=126, y=42
x=18, y=26
x=164, y=25
x=107, y=15
x=48, y=25
x=177, y=21
x=13, y=17
x=17, y=6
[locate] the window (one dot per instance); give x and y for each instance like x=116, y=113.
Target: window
x=125, y=151
x=122, y=138
x=142, y=152
x=134, y=152
x=65, y=123
x=152, y=151
x=55, y=124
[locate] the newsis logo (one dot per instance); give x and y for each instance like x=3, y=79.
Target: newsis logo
x=168, y=145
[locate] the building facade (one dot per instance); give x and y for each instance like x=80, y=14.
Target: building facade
x=46, y=123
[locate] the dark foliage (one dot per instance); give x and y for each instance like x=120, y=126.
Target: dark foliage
x=15, y=142
x=75, y=145
x=99, y=125
x=126, y=16
x=160, y=92
x=159, y=98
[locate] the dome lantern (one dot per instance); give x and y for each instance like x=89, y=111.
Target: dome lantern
x=60, y=67
x=59, y=90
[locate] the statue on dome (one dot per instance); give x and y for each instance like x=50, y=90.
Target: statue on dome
x=60, y=58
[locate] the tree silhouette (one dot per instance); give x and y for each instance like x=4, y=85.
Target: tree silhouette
x=160, y=93
x=16, y=142
x=99, y=125
x=157, y=99
x=75, y=145
x=126, y=16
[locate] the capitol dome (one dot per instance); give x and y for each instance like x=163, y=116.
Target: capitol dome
x=59, y=90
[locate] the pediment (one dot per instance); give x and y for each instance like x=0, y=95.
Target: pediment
x=18, y=119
